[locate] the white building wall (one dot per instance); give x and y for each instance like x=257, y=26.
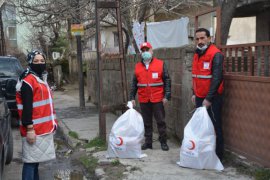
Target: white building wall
x=242, y=31
x=107, y=41
x=1, y=2
x=23, y=34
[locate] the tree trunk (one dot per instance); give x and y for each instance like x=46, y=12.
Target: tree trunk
x=42, y=42
x=131, y=37
x=127, y=19
x=142, y=11
x=227, y=12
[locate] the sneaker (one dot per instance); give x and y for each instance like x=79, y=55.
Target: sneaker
x=146, y=146
x=164, y=147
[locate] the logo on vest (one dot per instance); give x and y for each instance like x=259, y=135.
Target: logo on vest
x=154, y=75
x=206, y=65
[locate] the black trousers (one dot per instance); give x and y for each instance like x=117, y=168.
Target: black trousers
x=214, y=112
x=148, y=110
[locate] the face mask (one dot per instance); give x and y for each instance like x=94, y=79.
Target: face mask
x=202, y=48
x=146, y=56
x=38, y=68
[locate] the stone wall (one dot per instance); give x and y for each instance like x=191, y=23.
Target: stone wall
x=178, y=61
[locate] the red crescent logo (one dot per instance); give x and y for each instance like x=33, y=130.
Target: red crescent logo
x=121, y=141
x=193, y=145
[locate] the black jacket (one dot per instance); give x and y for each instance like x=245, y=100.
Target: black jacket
x=217, y=74
x=166, y=80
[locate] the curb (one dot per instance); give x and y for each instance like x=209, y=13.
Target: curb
x=64, y=130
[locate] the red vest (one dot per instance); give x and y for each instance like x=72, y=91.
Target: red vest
x=150, y=82
x=43, y=115
x=202, y=72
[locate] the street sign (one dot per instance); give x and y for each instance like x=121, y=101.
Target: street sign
x=55, y=55
x=77, y=29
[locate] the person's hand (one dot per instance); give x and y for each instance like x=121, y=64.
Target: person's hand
x=31, y=136
x=206, y=103
x=165, y=101
x=133, y=103
x=193, y=99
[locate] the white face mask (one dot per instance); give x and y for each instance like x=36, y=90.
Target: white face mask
x=147, y=56
x=202, y=48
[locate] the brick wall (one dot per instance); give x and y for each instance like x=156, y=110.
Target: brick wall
x=178, y=61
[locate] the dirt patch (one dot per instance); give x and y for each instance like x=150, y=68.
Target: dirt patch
x=67, y=164
x=114, y=172
x=244, y=167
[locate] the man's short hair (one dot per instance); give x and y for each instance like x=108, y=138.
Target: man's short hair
x=203, y=30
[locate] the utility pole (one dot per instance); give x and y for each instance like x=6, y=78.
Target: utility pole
x=79, y=58
x=102, y=108
x=2, y=37
x=102, y=115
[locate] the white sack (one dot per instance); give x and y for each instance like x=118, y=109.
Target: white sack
x=126, y=135
x=168, y=34
x=199, y=143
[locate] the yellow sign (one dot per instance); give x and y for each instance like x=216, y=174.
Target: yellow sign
x=77, y=30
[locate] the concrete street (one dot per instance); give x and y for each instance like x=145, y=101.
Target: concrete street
x=158, y=165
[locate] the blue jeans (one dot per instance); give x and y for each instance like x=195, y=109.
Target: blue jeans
x=30, y=171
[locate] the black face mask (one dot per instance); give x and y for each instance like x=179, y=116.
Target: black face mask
x=38, y=68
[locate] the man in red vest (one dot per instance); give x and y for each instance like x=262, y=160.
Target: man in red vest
x=207, y=81
x=153, y=83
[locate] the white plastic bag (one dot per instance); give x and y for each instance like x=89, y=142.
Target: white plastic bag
x=126, y=135
x=199, y=143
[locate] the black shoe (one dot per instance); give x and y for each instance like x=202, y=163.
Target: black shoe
x=164, y=147
x=146, y=146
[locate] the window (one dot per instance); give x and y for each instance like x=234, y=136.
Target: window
x=11, y=32
x=10, y=12
x=115, y=39
x=191, y=31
